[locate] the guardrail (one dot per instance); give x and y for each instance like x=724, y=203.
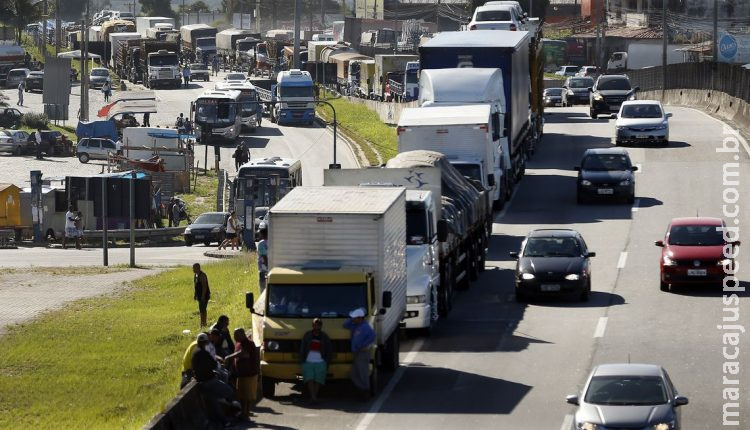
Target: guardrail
x=140, y=233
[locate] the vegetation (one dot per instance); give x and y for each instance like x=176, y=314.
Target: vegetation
x=363, y=126
x=203, y=197
x=34, y=120
x=112, y=362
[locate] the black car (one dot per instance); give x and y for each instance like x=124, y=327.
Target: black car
x=35, y=81
x=608, y=93
x=576, y=91
x=606, y=173
x=10, y=117
x=552, y=96
x=207, y=228
x=552, y=262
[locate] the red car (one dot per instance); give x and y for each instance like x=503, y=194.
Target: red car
x=693, y=252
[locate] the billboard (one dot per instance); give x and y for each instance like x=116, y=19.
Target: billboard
x=734, y=48
x=368, y=9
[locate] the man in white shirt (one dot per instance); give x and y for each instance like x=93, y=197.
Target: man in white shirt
x=38, y=143
x=71, y=232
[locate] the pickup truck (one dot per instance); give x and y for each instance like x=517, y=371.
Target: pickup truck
x=199, y=71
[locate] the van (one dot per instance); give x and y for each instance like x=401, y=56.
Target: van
x=16, y=76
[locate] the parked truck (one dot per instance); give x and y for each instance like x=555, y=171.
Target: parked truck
x=143, y=23
x=447, y=87
x=116, y=26
x=361, y=74
x=335, y=249
x=462, y=219
x=387, y=66
x=226, y=40
x=199, y=40
x=505, y=50
x=163, y=32
x=404, y=86
x=292, y=96
x=244, y=52
x=116, y=40
x=159, y=64
x=11, y=57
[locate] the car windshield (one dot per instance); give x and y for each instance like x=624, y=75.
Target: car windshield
x=604, y=162
x=296, y=91
x=695, y=235
x=552, y=247
x=197, y=66
x=236, y=77
x=493, y=15
x=16, y=73
x=210, y=219
x=553, y=92
x=641, y=111
x=320, y=300
x=581, y=83
x=626, y=390
x=614, y=84
x=100, y=72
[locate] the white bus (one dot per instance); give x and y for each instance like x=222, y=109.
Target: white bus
x=218, y=115
x=252, y=109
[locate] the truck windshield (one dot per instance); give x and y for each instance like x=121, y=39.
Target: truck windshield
x=416, y=225
x=411, y=77
x=296, y=91
x=164, y=60
x=244, y=46
x=206, y=43
x=471, y=171
x=320, y=300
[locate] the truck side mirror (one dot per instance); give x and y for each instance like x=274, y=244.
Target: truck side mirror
x=249, y=300
x=442, y=230
x=491, y=180
x=387, y=299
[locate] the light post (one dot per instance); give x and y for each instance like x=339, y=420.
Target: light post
x=334, y=165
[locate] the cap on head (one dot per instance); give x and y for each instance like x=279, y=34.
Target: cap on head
x=317, y=321
x=202, y=337
x=357, y=313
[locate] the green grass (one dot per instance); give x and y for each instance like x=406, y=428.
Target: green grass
x=203, y=198
x=113, y=362
x=364, y=127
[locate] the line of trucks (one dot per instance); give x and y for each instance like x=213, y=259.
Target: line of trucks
x=400, y=240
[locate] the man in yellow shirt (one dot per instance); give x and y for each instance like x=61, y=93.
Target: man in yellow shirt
x=187, y=363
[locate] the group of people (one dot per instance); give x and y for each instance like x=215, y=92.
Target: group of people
x=241, y=156
x=226, y=369
x=183, y=125
x=177, y=211
x=233, y=228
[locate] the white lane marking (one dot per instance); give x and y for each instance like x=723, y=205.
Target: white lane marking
x=370, y=415
x=640, y=168
x=622, y=260
x=600, y=327
x=723, y=124
x=636, y=202
x=567, y=422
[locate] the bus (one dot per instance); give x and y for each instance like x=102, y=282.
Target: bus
x=555, y=54
x=260, y=183
x=252, y=110
x=217, y=116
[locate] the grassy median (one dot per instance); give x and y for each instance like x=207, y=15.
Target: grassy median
x=113, y=362
x=364, y=127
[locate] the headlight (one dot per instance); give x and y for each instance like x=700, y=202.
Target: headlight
x=661, y=127
x=573, y=277
x=527, y=276
x=625, y=183
x=215, y=229
x=414, y=300
x=663, y=426
x=588, y=426
x=586, y=183
x=669, y=262
x=598, y=97
x=724, y=262
x=272, y=345
x=188, y=231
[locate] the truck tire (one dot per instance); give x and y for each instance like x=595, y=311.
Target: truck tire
x=445, y=301
x=374, y=377
x=269, y=387
x=475, y=257
x=466, y=265
x=482, y=257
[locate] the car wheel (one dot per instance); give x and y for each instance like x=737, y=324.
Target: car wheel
x=17, y=151
x=83, y=158
x=593, y=114
x=618, y=142
x=586, y=293
x=521, y=296
x=664, y=286
x=631, y=199
x=665, y=143
x=207, y=242
x=188, y=242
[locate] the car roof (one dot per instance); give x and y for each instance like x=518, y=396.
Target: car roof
x=641, y=102
x=496, y=7
x=605, y=151
x=553, y=232
x=627, y=369
x=696, y=221
x=609, y=77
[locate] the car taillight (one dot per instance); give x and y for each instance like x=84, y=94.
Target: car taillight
x=512, y=27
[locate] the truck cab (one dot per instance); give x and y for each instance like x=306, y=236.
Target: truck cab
x=205, y=49
x=162, y=69
x=294, y=97
x=618, y=62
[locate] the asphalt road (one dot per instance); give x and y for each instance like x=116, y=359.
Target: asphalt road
x=498, y=364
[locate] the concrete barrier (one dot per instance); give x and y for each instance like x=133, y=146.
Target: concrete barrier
x=185, y=412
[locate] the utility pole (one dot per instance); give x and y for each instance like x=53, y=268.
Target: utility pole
x=58, y=31
x=297, y=12
x=44, y=30
x=257, y=16
x=322, y=14
x=84, y=69
x=603, y=20
x=715, y=50
x=242, y=14
x=665, y=35
x=183, y=13
x=310, y=14
x=273, y=15
x=437, y=15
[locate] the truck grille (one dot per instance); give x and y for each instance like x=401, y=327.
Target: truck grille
x=615, y=99
x=164, y=74
x=297, y=105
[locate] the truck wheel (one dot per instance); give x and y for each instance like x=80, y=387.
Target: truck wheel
x=499, y=203
x=445, y=303
x=593, y=114
x=269, y=387
x=83, y=158
x=188, y=242
x=474, y=261
x=17, y=151
x=374, y=379
x=482, y=257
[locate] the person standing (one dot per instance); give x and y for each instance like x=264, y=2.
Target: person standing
x=246, y=368
x=231, y=227
x=147, y=119
x=71, y=232
x=176, y=213
x=363, y=337
x=222, y=324
x=315, y=353
x=107, y=90
x=38, y=143
x=21, y=90
x=215, y=64
x=202, y=291
x=186, y=75
x=262, y=250
x=170, y=213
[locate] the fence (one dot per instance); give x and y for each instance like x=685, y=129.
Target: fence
x=731, y=79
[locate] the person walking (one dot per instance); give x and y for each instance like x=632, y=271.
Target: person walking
x=237, y=155
x=186, y=75
x=147, y=119
x=202, y=291
x=170, y=213
x=176, y=213
x=363, y=337
x=21, y=90
x=232, y=227
x=71, y=232
x=107, y=90
x=315, y=353
x=38, y=143
x=215, y=64
x=246, y=368
x=262, y=250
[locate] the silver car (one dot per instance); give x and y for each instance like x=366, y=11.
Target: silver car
x=13, y=141
x=628, y=396
x=642, y=121
x=16, y=76
x=96, y=148
x=98, y=77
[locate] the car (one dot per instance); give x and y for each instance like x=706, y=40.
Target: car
x=551, y=262
x=10, y=117
x=35, y=81
x=567, y=71
x=13, y=141
x=199, y=71
x=95, y=148
x=53, y=143
x=235, y=77
x=98, y=76
x=496, y=17
x=15, y=77
x=606, y=173
x=516, y=5
x=608, y=94
x=576, y=91
x=588, y=71
x=628, y=396
x=642, y=121
x=694, y=251
x=552, y=97
x=207, y=228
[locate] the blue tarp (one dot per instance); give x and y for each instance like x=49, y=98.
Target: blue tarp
x=97, y=129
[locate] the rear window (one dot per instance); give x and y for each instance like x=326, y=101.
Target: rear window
x=614, y=84
x=15, y=73
x=581, y=83
x=493, y=15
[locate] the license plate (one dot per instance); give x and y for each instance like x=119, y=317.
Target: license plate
x=641, y=136
x=696, y=272
x=199, y=236
x=550, y=287
x=606, y=191
x=297, y=114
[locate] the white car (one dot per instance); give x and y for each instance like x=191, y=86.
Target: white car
x=568, y=71
x=235, y=77
x=642, y=121
x=96, y=148
x=515, y=4
x=496, y=17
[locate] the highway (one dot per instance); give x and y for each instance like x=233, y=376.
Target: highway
x=495, y=363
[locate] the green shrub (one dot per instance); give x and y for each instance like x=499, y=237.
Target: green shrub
x=34, y=120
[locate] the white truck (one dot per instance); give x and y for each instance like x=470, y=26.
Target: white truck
x=463, y=133
x=446, y=87
x=335, y=249
x=422, y=219
x=226, y=40
x=143, y=23
x=293, y=97
x=390, y=67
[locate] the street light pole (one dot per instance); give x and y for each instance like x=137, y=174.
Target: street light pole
x=334, y=165
x=297, y=13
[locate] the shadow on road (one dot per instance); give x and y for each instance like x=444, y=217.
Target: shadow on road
x=598, y=299
x=265, y=131
x=709, y=290
x=564, y=117
x=648, y=202
x=253, y=142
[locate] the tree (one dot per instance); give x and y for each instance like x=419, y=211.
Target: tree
x=22, y=13
x=157, y=8
x=199, y=6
